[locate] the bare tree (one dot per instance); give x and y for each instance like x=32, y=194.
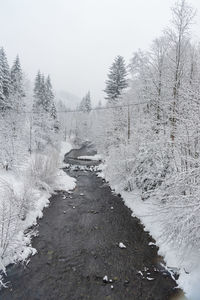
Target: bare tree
x=179, y=36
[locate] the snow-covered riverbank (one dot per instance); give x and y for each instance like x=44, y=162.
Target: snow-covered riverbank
x=24, y=195
x=151, y=216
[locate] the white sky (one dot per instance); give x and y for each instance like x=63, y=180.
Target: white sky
x=75, y=41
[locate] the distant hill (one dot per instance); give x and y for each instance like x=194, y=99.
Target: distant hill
x=67, y=98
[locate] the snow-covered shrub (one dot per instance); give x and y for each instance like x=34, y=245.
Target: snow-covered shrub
x=151, y=168
x=10, y=211
x=27, y=197
x=178, y=212
x=120, y=167
x=43, y=168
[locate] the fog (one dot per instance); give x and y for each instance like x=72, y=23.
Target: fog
x=75, y=41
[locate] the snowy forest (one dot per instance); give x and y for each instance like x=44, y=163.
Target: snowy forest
x=146, y=131
x=29, y=156
x=148, y=135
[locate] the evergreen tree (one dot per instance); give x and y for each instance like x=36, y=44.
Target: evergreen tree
x=50, y=98
x=85, y=104
x=17, y=78
x=4, y=81
x=5, y=73
x=117, y=79
x=40, y=98
x=43, y=95
x=17, y=90
x=37, y=86
x=43, y=100
x=2, y=97
x=51, y=104
x=116, y=83
x=45, y=124
x=53, y=112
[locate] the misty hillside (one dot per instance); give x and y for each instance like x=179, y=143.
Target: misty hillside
x=70, y=100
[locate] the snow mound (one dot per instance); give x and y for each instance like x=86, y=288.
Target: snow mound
x=122, y=246
x=64, y=181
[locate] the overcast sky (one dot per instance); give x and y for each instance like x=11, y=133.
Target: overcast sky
x=75, y=41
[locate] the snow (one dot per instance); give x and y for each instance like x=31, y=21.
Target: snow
x=20, y=246
x=140, y=272
x=140, y=209
x=64, y=181
x=101, y=170
x=105, y=279
x=21, y=185
x=96, y=157
x=152, y=244
x=122, y=246
x=189, y=268
x=65, y=147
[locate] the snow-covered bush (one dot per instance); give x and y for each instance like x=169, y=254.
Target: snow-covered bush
x=43, y=168
x=10, y=210
x=178, y=208
x=150, y=169
x=120, y=167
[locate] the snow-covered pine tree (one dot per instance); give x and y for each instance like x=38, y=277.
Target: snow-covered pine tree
x=83, y=118
x=40, y=128
x=41, y=102
x=85, y=104
x=17, y=90
x=2, y=97
x=117, y=79
x=37, y=87
x=12, y=121
x=88, y=105
x=50, y=105
x=5, y=80
x=43, y=95
x=45, y=123
x=115, y=85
